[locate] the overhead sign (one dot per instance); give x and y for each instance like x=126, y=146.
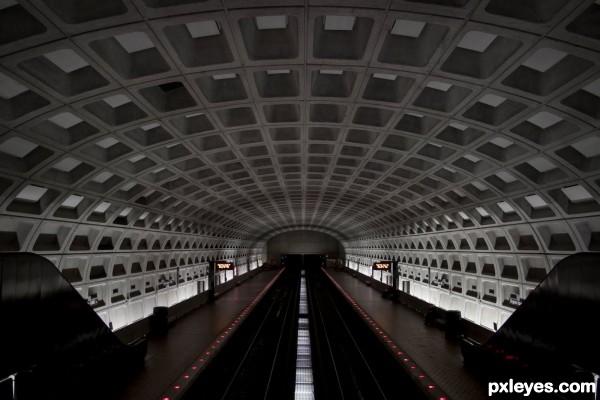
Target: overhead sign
x=382, y=266
x=224, y=265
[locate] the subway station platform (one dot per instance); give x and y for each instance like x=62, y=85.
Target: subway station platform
x=170, y=357
x=427, y=347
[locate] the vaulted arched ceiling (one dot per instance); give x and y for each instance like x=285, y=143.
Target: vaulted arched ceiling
x=233, y=119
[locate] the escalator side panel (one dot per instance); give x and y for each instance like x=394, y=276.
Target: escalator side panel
x=46, y=324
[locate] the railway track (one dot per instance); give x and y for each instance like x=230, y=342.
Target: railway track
x=348, y=361
x=258, y=361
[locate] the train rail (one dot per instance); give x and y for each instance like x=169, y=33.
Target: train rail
x=258, y=361
x=349, y=361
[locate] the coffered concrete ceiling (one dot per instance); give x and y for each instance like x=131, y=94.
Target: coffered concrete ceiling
x=235, y=119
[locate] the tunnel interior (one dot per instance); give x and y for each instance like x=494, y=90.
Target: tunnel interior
x=143, y=140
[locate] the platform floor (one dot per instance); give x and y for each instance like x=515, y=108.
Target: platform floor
x=439, y=358
x=169, y=356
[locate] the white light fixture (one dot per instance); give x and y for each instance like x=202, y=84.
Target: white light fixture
x=505, y=207
x=544, y=59
x=577, y=193
x=589, y=147
x=506, y=177
x=219, y=77
x=102, y=207
x=331, y=71
x=106, y=143
x=482, y=212
x=136, y=158
x=492, y=100
x=202, y=29
x=472, y=158
x=102, y=177
x=150, y=126
x=65, y=120
x=479, y=186
x=128, y=186
x=194, y=115
x=67, y=165
x=476, y=41
x=458, y=126
x=117, y=100
x=541, y=164
x=339, y=22
x=67, y=60
x=72, y=201
x=403, y=27
x=593, y=88
x=31, y=193
x=544, y=119
x=501, y=142
x=267, y=22
x=536, y=201
x=9, y=88
x=134, y=41
x=437, y=85
x=388, y=77
x=17, y=147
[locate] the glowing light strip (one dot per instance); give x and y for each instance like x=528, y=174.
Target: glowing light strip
x=304, y=389
x=178, y=388
x=427, y=385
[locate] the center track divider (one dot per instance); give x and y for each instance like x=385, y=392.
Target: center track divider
x=427, y=385
x=179, y=387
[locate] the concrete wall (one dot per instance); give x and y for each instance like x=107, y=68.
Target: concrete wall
x=303, y=242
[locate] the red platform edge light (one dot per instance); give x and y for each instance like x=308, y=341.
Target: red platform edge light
x=429, y=387
x=193, y=370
